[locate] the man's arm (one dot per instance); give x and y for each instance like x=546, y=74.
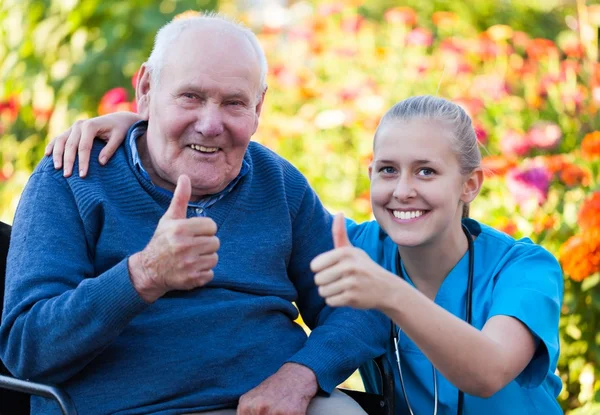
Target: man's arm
x=59, y=314
x=57, y=318
x=342, y=338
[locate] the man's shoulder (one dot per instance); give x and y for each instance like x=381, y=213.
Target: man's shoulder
x=265, y=160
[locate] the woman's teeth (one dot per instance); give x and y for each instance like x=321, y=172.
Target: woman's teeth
x=400, y=214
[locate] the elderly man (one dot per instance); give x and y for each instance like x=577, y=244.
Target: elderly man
x=114, y=287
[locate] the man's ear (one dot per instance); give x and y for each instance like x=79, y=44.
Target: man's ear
x=258, y=108
x=142, y=92
x=472, y=186
x=370, y=170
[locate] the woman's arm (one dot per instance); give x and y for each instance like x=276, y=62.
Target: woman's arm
x=78, y=140
x=478, y=362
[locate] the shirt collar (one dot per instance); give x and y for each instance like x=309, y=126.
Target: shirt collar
x=139, y=129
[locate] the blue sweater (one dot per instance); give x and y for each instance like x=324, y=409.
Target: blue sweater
x=72, y=316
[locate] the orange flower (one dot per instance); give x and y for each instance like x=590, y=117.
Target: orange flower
x=187, y=14
x=580, y=255
x=443, y=18
x=509, y=227
x=497, y=165
x=589, y=213
x=573, y=175
x=402, y=15
x=541, y=48
x=543, y=223
x=590, y=146
x=554, y=163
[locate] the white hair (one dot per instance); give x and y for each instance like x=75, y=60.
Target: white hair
x=171, y=31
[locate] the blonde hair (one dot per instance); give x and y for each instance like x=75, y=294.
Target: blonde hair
x=464, y=139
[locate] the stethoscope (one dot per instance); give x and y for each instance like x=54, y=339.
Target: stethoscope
x=469, y=314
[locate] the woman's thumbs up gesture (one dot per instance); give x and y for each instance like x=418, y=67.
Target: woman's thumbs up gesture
x=347, y=276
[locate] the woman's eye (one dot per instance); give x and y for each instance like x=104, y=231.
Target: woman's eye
x=425, y=171
x=387, y=170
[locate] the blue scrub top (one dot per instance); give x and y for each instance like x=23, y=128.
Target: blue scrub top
x=512, y=278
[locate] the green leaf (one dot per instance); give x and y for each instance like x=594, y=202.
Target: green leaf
x=590, y=282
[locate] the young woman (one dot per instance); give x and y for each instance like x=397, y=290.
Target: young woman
x=475, y=313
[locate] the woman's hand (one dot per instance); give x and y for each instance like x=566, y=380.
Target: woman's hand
x=78, y=140
x=346, y=276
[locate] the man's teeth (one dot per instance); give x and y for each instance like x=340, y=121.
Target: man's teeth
x=204, y=149
x=407, y=215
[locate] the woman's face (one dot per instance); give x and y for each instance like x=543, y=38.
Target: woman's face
x=417, y=189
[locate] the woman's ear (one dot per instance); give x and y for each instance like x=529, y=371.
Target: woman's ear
x=142, y=92
x=472, y=186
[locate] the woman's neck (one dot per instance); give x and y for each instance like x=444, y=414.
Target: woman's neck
x=428, y=265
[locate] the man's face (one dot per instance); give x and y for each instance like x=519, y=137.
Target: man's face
x=203, y=110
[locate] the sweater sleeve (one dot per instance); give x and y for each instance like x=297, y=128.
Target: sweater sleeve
x=58, y=314
x=342, y=338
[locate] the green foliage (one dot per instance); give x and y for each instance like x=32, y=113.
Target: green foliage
x=57, y=58
x=332, y=75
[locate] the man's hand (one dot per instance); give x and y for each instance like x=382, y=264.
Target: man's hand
x=78, y=140
x=287, y=392
x=347, y=276
x=181, y=254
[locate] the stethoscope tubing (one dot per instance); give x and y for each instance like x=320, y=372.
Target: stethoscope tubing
x=468, y=318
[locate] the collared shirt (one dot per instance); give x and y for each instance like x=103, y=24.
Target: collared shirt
x=203, y=203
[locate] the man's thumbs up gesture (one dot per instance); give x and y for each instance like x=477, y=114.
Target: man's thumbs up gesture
x=347, y=276
x=181, y=254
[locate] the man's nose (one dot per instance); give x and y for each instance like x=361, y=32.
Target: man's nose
x=404, y=189
x=210, y=121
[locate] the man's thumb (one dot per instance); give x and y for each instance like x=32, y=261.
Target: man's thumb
x=181, y=197
x=340, y=236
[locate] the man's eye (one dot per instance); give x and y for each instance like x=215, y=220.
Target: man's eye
x=189, y=95
x=235, y=103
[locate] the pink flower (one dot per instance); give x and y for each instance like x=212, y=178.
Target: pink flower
x=482, y=135
x=352, y=24
x=329, y=9
x=420, y=37
x=493, y=86
x=514, y=143
x=544, y=135
x=529, y=184
x=112, y=101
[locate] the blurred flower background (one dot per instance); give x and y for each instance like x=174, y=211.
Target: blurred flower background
x=526, y=71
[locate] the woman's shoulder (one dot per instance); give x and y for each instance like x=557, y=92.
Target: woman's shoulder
x=501, y=252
